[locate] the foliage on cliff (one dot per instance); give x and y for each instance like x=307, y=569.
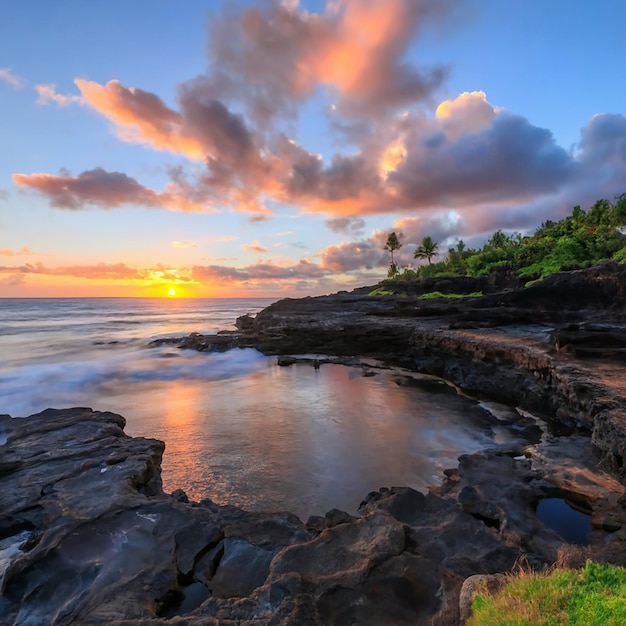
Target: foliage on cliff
x=582, y=239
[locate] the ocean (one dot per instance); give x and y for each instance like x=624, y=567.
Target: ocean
x=238, y=428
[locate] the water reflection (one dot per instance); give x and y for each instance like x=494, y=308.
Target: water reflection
x=307, y=440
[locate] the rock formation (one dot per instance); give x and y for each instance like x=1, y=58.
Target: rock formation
x=88, y=537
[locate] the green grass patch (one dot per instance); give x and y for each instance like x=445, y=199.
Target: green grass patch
x=593, y=596
x=432, y=295
x=380, y=292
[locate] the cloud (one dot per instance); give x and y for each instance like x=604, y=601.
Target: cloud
x=260, y=272
x=47, y=93
x=103, y=271
x=116, y=271
x=184, y=244
x=603, y=141
x=509, y=160
x=9, y=252
x=226, y=238
x=346, y=257
x=467, y=113
x=255, y=246
x=104, y=189
x=284, y=233
x=401, y=153
x=277, y=56
x=141, y=117
x=15, y=280
x=12, y=79
x=346, y=225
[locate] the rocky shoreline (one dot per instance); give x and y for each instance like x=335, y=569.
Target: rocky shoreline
x=87, y=535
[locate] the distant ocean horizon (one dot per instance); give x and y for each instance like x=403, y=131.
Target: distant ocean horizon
x=238, y=429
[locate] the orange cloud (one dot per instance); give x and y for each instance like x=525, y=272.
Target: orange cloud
x=105, y=271
x=255, y=246
x=184, y=244
x=142, y=116
x=9, y=252
x=118, y=271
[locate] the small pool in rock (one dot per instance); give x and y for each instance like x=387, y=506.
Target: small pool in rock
x=573, y=525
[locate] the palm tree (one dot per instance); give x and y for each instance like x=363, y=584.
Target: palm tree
x=393, y=243
x=427, y=249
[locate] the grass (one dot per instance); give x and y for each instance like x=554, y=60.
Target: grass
x=380, y=292
x=593, y=596
x=452, y=296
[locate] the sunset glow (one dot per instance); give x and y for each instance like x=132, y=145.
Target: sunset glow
x=270, y=147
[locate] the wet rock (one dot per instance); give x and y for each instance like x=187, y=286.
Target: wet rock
x=245, y=322
x=180, y=496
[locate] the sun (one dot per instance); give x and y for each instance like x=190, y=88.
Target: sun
x=171, y=292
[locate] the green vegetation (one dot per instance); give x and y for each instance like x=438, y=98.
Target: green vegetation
x=593, y=596
x=426, y=250
x=380, y=292
x=582, y=239
x=393, y=244
x=432, y=295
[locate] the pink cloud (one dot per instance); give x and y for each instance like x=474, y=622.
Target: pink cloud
x=350, y=256
x=48, y=93
x=275, y=57
x=12, y=79
x=103, y=189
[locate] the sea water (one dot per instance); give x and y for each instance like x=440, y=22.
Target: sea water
x=238, y=428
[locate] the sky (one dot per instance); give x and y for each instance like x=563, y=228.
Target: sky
x=266, y=149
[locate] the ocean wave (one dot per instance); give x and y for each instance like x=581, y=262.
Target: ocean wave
x=31, y=388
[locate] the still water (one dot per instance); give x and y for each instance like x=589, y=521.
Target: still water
x=238, y=428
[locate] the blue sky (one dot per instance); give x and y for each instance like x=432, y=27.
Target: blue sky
x=266, y=148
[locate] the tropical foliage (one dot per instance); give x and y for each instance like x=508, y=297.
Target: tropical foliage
x=580, y=240
x=393, y=244
x=427, y=249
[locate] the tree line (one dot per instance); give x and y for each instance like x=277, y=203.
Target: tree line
x=580, y=240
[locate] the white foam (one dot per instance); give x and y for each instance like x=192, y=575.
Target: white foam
x=31, y=388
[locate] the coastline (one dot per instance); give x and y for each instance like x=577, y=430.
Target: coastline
x=404, y=556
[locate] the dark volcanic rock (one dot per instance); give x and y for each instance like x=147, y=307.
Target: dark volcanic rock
x=89, y=538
